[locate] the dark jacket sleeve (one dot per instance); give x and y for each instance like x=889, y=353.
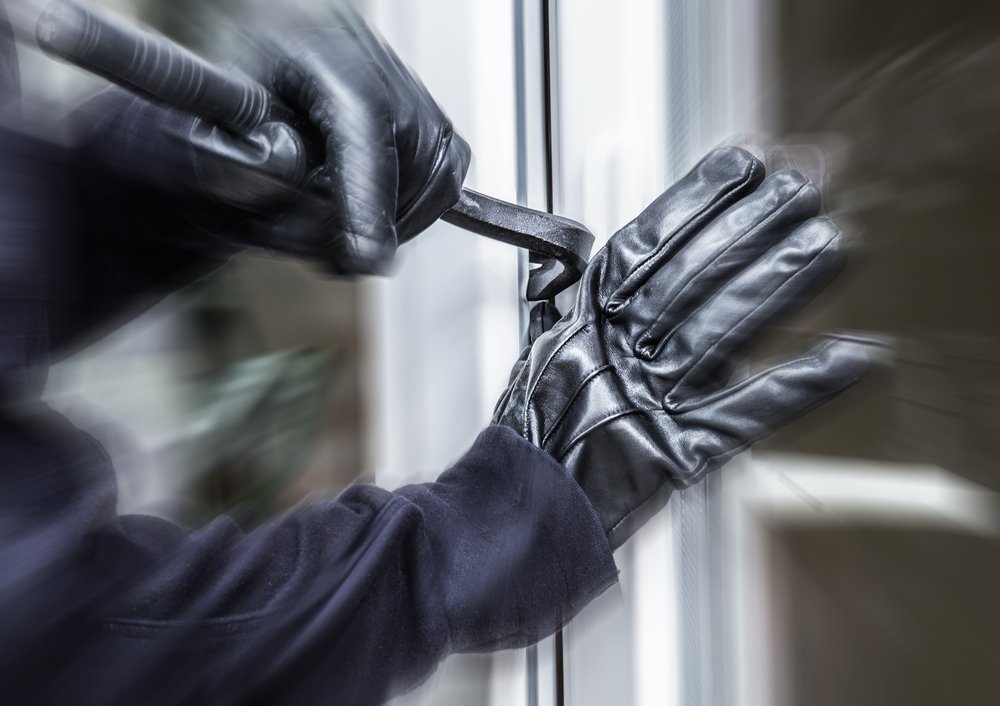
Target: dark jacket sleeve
x=345, y=601
x=352, y=599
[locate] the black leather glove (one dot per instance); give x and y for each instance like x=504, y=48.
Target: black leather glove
x=388, y=162
x=629, y=390
x=393, y=162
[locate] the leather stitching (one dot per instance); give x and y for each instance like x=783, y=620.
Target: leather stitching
x=441, y=150
x=749, y=317
x=588, y=378
x=607, y=419
x=752, y=231
x=541, y=373
x=653, y=258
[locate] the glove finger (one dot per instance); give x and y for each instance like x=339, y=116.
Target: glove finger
x=338, y=87
x=782, y=281
x=429, y=184
x=641, y=247
x=715, y=255
x=767, y=401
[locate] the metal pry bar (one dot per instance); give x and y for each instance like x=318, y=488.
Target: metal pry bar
x=153, y=66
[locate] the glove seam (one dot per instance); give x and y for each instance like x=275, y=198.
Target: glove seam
x=658, y=348
x=681, y=409
x=730, y=197
x=443, y=143
x=607, y=419
x=742, y=324
x=545, y=367
x=587, y=379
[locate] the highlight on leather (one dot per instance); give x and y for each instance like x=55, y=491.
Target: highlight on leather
x=632, y=389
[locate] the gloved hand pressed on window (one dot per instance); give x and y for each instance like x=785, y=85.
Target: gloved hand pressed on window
x=630, y=390
x=390, y=162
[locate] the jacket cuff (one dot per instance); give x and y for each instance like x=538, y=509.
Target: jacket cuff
x=522, y=550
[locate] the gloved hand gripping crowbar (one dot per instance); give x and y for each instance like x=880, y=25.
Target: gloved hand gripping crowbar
x=151, y=65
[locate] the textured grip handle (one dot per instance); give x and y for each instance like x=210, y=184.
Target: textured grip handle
x=152, y=65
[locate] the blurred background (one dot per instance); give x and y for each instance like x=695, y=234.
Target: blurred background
x=853, y=559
